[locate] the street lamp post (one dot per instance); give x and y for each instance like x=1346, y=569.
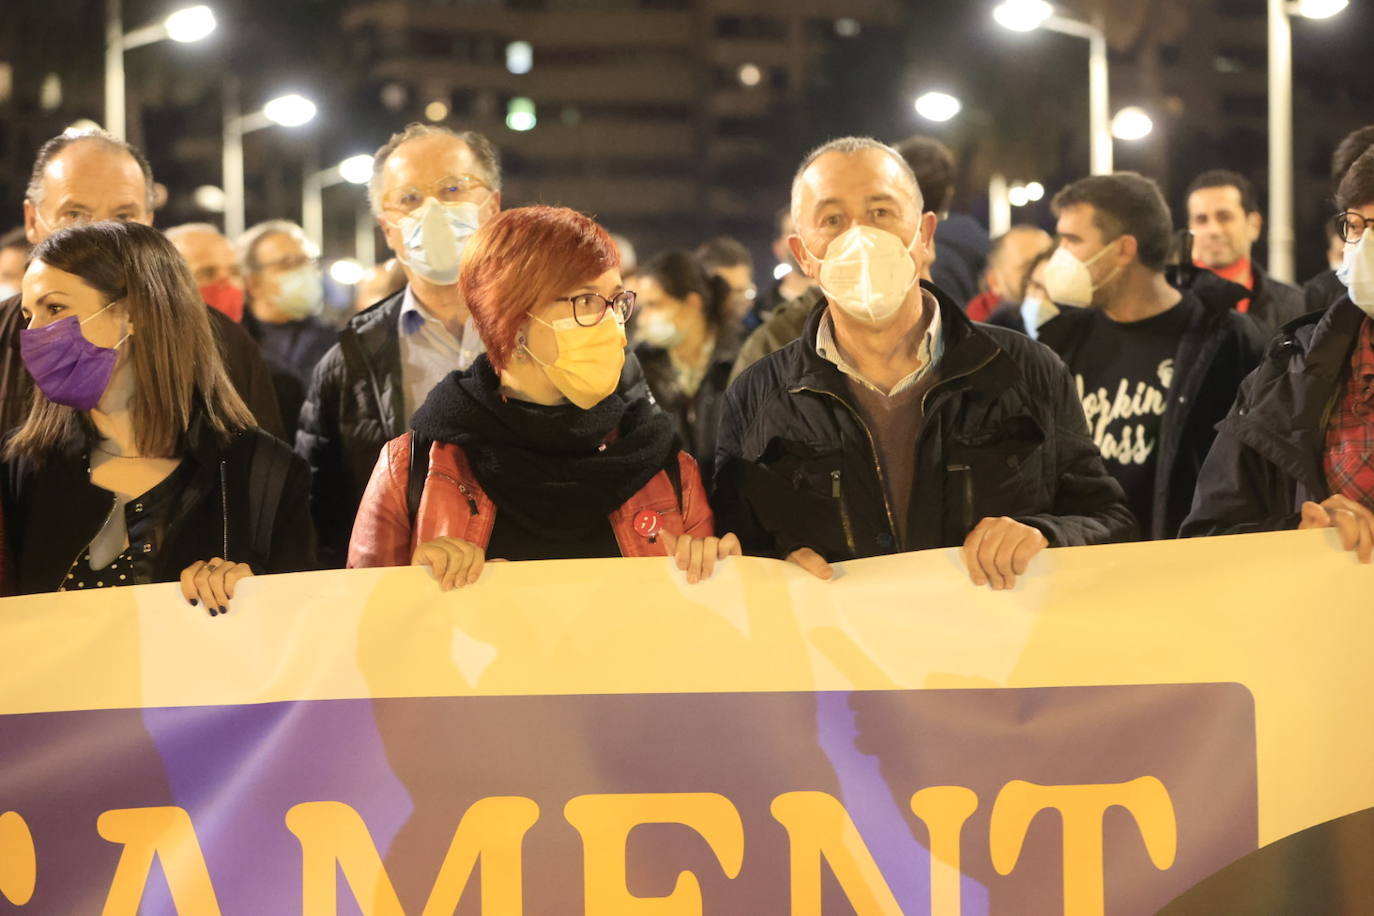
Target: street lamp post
x=285, y=111
x=353, y=170
x=184, y=25
x=1028, y=15
x=1281, y=236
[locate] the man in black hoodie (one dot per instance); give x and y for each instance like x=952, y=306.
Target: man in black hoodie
x=1156, y=367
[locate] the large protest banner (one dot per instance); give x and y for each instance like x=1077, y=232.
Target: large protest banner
x=600, y=737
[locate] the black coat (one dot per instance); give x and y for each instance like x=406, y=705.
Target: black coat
x=356, y=404
x=1219, y=348
x=242, y=361
x=1273, y=303
x=1267, y=458
x=247, y=500
x=695, y=418
x=1004, y=434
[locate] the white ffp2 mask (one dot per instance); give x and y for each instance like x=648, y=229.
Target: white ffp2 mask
x=867, y=272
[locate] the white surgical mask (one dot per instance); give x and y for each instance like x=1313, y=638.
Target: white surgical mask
x=300, y=292
x=1068, y=280
x=867, y=272
x=658, y=330
x=1035, y=312
x=1357, y=272
x=434, y=234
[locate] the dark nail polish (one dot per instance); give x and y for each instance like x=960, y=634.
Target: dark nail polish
x=194, y=602
x=224, y=610
x=212, y=611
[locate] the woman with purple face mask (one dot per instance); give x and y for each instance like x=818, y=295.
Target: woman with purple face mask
x=139, y=462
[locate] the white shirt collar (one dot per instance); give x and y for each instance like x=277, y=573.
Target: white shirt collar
x=929, y=352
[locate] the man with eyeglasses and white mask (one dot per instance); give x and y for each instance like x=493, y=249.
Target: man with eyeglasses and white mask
x=894, y=423
x=431, y=188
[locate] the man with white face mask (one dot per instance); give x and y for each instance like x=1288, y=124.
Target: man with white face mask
x=431, y=188
x=1295, y=451
x=1156, y=367
x=281, y=271
x=894, y=423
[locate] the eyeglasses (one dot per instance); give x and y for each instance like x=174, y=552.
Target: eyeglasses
x=290, y=262
x=451, y=190
x=1350, y=226
x=590, y=308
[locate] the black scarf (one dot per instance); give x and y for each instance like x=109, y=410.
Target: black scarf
x=548, y=466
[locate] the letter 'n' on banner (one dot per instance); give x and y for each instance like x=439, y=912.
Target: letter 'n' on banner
x=332, y=834
x=818, y=828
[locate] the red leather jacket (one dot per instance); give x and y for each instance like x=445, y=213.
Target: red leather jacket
x=454, y=505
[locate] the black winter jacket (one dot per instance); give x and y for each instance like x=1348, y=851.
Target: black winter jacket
x=1273, y=303
x=1219, y=348
x=246, y=501
x=696, y=418
x=1267, y=458
x=1004, y=434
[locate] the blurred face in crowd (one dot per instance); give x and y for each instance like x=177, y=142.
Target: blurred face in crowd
x=656, y=305
x=1007, y=270
x=277, y=257
x=742, y=289
x=87, y=182
x=1222, y=231
x=1080, y=235
x=868, y=188
x=1035, y=284
x=420, y=169
x=11, y=270
x=50, y=295
x=211, y=258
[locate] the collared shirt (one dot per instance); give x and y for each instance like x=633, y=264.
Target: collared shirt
x=930, y=351
x=1349, y=458
x=429, y=351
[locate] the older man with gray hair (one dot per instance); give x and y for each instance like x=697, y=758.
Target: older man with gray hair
x=431, y=188
x=894, y=423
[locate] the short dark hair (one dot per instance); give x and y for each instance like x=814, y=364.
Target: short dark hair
x=681, y=274
x=1350, y=148
x=1125, y=203
x=1357, y=187
x=15, y=238
x=54, y=147
x=1225, y=178
x=723, y=251
x=933, y=164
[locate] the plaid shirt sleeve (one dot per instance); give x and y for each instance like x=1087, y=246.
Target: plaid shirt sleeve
x=1349, y=458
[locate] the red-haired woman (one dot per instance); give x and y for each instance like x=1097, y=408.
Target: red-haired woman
x=533, y=453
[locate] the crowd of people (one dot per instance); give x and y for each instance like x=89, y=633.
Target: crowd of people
x=516, y=386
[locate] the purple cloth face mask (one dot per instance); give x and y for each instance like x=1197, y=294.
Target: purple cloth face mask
x=68, y=368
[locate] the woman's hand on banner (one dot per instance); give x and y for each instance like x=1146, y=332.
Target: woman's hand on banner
x=453, y=562
x=1352, y=521
x=211, y=583
x=998, y=550
x=697, y=556
x=812, y=562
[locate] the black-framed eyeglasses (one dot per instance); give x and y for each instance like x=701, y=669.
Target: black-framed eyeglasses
x=1350, y=226
x=590, y=308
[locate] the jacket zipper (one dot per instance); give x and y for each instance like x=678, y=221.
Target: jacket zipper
x=114, y=504
x=462, y=488
x=224, y=506
x=877, y=463
x=838, y=494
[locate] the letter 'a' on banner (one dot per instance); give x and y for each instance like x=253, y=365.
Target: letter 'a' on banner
x=1170, y=726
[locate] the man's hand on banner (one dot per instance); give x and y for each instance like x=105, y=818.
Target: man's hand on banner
x=812, y=562
x=453, y=562
x=211, y=582
x=697, y=556
x=998, y=550
x=1353, y=521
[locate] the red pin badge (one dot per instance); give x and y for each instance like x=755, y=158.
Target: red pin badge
x=648, y=524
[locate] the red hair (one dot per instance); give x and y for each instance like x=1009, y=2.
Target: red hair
x=523, y=258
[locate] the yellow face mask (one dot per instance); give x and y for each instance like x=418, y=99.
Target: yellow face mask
x=589, y=361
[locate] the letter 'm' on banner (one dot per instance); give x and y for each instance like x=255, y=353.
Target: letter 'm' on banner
x=332, y=833
x=1081, y=809
x=18, y=859
x=167, y=834
x=605, y=821
x=944, y=809
x=818, y=828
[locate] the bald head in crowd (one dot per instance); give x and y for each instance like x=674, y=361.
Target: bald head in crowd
x=85, y=177
x=214, y=265
x=1010, y=256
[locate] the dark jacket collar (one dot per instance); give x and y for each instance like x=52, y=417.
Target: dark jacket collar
x=971, y=356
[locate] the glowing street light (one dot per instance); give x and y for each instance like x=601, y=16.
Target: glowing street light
x=1017, y=196
x=346, y=272
x=938, y=106
x=356, y=170
x=1132, y=124
x=1022, y=15
x=291, y=110
x=1035, y=191
x=184, y=25
x=1317, y=9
